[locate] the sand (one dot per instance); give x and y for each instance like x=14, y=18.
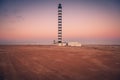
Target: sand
x=88, y=62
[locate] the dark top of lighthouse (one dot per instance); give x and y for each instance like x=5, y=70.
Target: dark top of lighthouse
x=60, y=6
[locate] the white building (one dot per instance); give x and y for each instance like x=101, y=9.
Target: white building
x=74, y=44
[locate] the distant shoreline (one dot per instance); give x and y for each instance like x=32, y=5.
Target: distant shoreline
x=55, y=45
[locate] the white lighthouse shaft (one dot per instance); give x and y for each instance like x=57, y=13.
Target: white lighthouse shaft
x=59, y=23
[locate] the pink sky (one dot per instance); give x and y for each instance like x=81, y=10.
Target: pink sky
x=79, y=22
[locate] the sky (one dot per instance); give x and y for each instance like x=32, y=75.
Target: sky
x=36, y=21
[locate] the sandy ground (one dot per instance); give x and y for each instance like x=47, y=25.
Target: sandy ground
x=59, y=63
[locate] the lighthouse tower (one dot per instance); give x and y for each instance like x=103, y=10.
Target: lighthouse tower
x=60, y=24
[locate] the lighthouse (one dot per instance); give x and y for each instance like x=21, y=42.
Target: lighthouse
x=59, y=23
